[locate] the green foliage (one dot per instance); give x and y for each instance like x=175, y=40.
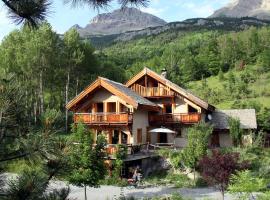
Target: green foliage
x=169, y=177
x=173, y=156
x=122, y=152
x=258, y=139
x=235, y=130
x=221, y=75
x=32, y=184
x=86, y=160
x=197, y=145
x=264, y=196
x=244, y=184
x=264, y=119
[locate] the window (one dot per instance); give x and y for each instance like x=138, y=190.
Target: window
x=168, y=108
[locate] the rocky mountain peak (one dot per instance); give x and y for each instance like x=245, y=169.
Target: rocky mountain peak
x=245, y=8
x=120, y=21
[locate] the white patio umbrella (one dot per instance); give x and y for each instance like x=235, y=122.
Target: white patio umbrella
x=163, y=130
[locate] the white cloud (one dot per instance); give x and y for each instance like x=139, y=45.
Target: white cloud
x=153, y=11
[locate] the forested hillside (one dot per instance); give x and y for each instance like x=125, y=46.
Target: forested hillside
x=48, y=70
x=191, y=56
x=228, y=69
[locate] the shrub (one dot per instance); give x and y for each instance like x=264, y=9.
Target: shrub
x=244, y=184
x=235, y=130
x=217, y=168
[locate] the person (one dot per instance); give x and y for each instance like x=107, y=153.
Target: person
x=136, y=176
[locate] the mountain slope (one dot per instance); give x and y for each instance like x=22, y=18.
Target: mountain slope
x=243, y=8
x=190, y=25
x=119, y=21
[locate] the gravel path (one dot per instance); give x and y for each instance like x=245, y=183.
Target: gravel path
x=112, y=192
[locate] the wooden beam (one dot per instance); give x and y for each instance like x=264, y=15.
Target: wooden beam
x=79, y=97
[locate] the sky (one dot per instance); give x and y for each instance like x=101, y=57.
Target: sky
x=62, y=16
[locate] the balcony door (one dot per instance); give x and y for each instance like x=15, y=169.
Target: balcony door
x=168, y=111
x=100, y=107
x=111, y=107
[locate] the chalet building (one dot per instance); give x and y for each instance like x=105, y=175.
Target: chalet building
x=126, y=114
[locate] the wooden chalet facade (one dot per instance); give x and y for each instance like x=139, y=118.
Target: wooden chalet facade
x=126, y=113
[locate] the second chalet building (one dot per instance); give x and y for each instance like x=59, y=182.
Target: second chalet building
x=127, y=113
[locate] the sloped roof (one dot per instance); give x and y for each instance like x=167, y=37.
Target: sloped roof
x=247, y=117
x=185, y=93
x=115, y=88
x=138, y=98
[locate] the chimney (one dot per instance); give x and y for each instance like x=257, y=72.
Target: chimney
x=164, y=73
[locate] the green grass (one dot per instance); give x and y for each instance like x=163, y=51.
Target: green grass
x=259, y=88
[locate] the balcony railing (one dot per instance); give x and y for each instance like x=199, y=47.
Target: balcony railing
x=112, y=149
x=188, y=118
x=152, y=91
x=103, y=118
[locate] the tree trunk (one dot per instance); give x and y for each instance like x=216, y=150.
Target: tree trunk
x=41, y=92
x=85, y=194
x=1, y=128
x=35, y=110
x=222, y=193
x=194, y=176
x=77, y=85
x=66, y=101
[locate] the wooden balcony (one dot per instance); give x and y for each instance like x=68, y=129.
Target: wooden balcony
x=189, y=118
x=152, y=91
x=103, y=118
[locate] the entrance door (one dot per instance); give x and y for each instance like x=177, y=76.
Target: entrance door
x=115, y=137
x=139, y=136
x=163, y=138
x=215, y=140
x=124, y=138
x=148, y=136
